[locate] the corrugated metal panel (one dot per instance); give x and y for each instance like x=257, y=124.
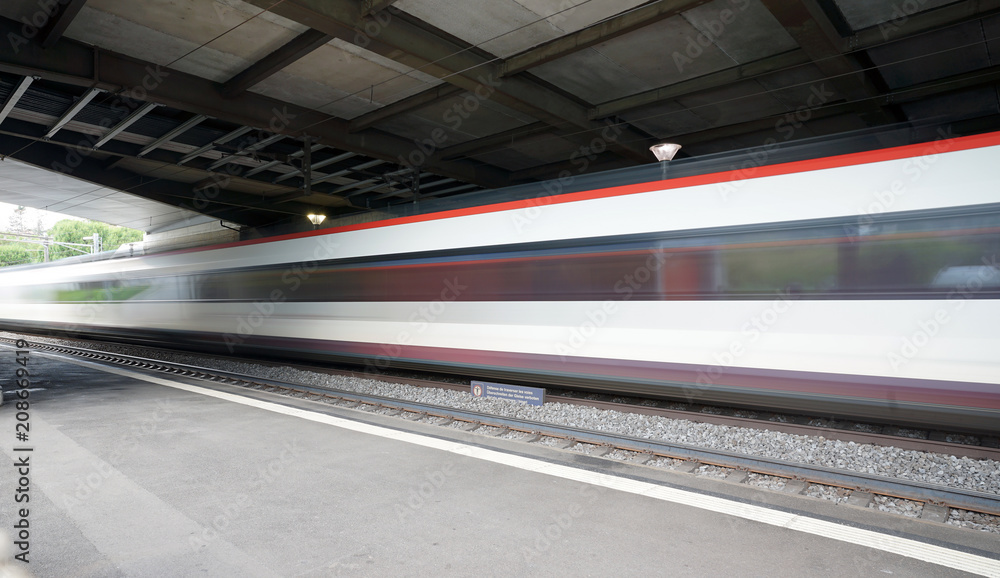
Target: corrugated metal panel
x=44, y=101
x=153, y=125
x=6, y=87
x=107, y=113
x=200, y=135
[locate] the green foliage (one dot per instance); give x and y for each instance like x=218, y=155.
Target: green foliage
x=769, y=269
x=18, y=254
x=17, y=222
x=102, y=294
x=70, y=231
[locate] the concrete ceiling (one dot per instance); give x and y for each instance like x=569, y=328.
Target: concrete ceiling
x=23, y=184
x=208, y=105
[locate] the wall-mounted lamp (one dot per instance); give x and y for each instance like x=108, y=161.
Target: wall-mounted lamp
x=665, y=151
x=316, y=219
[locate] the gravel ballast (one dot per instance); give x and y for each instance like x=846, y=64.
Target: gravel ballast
x=765, y=481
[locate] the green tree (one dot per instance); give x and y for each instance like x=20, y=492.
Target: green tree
x=39, y=228
x=16, y=223
x=17, y=254
x=72, y=231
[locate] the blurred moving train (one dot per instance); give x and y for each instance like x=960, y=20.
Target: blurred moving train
x=863, y=285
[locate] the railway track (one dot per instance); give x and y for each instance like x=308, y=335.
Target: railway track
x=959, y=444
x=739, y=466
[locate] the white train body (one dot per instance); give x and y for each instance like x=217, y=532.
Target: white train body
x=656, y=288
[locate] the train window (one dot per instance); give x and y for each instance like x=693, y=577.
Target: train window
x=805, y=268
x=915, y=264
x=923, y=256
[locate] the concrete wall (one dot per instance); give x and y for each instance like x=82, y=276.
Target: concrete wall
x=196, y=236
x=366, y=217
x=213, y=233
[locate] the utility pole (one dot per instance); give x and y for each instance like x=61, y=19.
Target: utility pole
x=96, y=242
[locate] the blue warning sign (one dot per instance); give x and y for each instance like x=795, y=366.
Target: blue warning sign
x=529, y=395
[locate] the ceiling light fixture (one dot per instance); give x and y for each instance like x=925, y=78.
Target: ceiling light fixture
x=665, y=151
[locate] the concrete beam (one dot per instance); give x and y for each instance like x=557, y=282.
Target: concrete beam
x=369, y=7
x=78, y=64
x=414, y=44
x=295, y=49
x=989, y=76
x=806, y=22
x=402, y=106
x=707, y=82
x=593, y=35
x=914, y=24
x=491, y=142
x=868, y=38
x=59, y=22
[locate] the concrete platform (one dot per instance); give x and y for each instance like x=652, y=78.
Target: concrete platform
x=133, y=478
